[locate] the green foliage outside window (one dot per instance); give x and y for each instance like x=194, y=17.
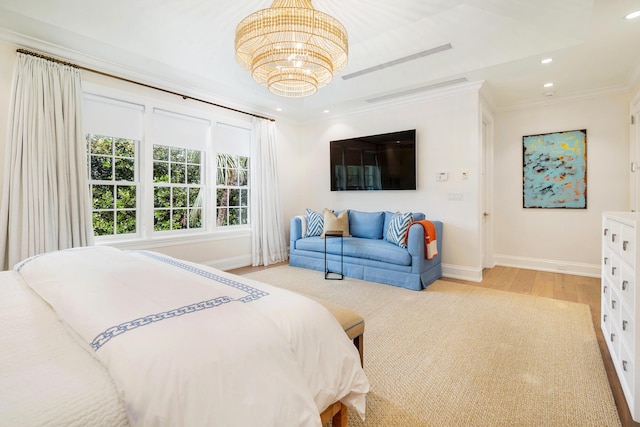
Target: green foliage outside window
x=113, y=188
x=177, y=194
x=232, y=193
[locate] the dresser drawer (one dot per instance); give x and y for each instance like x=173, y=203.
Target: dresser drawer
x=627, y=329
x=615, y=306
x=627, y=249
x=626, y=370
x=611, y=233
x=627, y=287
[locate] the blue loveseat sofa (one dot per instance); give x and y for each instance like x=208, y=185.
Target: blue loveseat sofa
x=368, y=254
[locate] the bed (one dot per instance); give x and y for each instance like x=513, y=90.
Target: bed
x=100, y=336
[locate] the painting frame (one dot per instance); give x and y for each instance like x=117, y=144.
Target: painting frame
x=554, y=170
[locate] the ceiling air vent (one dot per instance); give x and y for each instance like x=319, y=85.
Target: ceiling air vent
x=398, y=61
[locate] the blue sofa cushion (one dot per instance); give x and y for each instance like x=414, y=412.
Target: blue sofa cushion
x=398, y=228
x=366, y=224
x=315, y=223
x=374, y=249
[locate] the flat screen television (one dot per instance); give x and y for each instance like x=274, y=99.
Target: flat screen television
x=376, y=162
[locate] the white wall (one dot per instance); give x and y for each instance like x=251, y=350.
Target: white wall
x=566, y=240
x=447, y=125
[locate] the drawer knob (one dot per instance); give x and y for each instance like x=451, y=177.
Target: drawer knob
x=606, y=260
x=624, y=365
x=624, y=325
x=604, y=318
x=625, y=245
x=613, y=336
x=613, y=237
x=613, y=304
x=613, y=271
x=604, y=289
x=606, y=231
x=625, y=283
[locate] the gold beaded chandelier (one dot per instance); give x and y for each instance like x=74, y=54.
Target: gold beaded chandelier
x=291, y=48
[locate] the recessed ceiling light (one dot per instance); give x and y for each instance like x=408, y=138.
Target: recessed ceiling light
x=633, y=15
x=325, y=111
x=547, y=61
x=548, y=85
x=278, y=109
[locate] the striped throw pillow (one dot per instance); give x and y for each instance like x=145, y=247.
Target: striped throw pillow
x=398, y=228
x=315, y=223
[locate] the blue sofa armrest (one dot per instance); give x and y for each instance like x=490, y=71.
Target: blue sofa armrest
x=415, y=246
x=295, y=232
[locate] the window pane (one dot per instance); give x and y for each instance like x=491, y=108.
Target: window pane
x=243, y=178
x=234, y=216
x=179, y=219
x=162, y=220
x=234, y=197
x=244, y=216
x=244, y=162
x=126, y=198
x=162, y=197
x=244, y=197
x=103, y=223
x=103, y=197
x=195, y=218
x=160, y=172
x=194, y=199
x=160, y=152
x=178, y=155
x=126, y=222
x=101, y=145
x=221, y=219
x=222, y=176
x=221, y=161
x=101, y=168
x=125, y=148
x=221, y=199
x=178, y=173
x=179, y=197
x=193, y=174
x=193, y=156
x=232, y=177
x=125, y=169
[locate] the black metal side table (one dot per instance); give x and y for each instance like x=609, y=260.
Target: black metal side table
x=329, y=234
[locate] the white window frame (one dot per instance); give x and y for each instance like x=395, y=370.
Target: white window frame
x=144, y=169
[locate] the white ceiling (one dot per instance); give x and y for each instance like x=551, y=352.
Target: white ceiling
x=188, y=45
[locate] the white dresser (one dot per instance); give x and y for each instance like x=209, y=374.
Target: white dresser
x=620, y=301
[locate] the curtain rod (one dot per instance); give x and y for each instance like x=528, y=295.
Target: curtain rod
x=102, y=73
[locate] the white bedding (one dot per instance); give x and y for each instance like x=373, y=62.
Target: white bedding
x=46, y=378
x=189, y=345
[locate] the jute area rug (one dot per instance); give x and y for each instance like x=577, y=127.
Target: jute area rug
x=459, y=355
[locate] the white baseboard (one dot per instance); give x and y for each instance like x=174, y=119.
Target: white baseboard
x=230, y=263
x=461, y=273
x=554, y=266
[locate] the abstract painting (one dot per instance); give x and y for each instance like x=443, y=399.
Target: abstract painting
x=554, y=170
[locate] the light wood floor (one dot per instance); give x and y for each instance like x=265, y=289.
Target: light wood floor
x=585, y=290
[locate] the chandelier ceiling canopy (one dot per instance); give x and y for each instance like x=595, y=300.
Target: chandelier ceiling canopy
x=291, y=48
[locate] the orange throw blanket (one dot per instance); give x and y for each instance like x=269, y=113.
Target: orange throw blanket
x=430, y=242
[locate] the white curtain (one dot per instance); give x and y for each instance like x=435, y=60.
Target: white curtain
x=269, y=244
x=45, y=200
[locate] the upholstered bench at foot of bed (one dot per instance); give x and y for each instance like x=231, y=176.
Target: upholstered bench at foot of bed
x=351, y=322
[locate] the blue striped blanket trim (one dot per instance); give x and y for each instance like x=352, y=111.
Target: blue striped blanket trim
x=252, y=295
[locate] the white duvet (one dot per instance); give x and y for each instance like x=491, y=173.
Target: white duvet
x=188, y=345
x=46, y=378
